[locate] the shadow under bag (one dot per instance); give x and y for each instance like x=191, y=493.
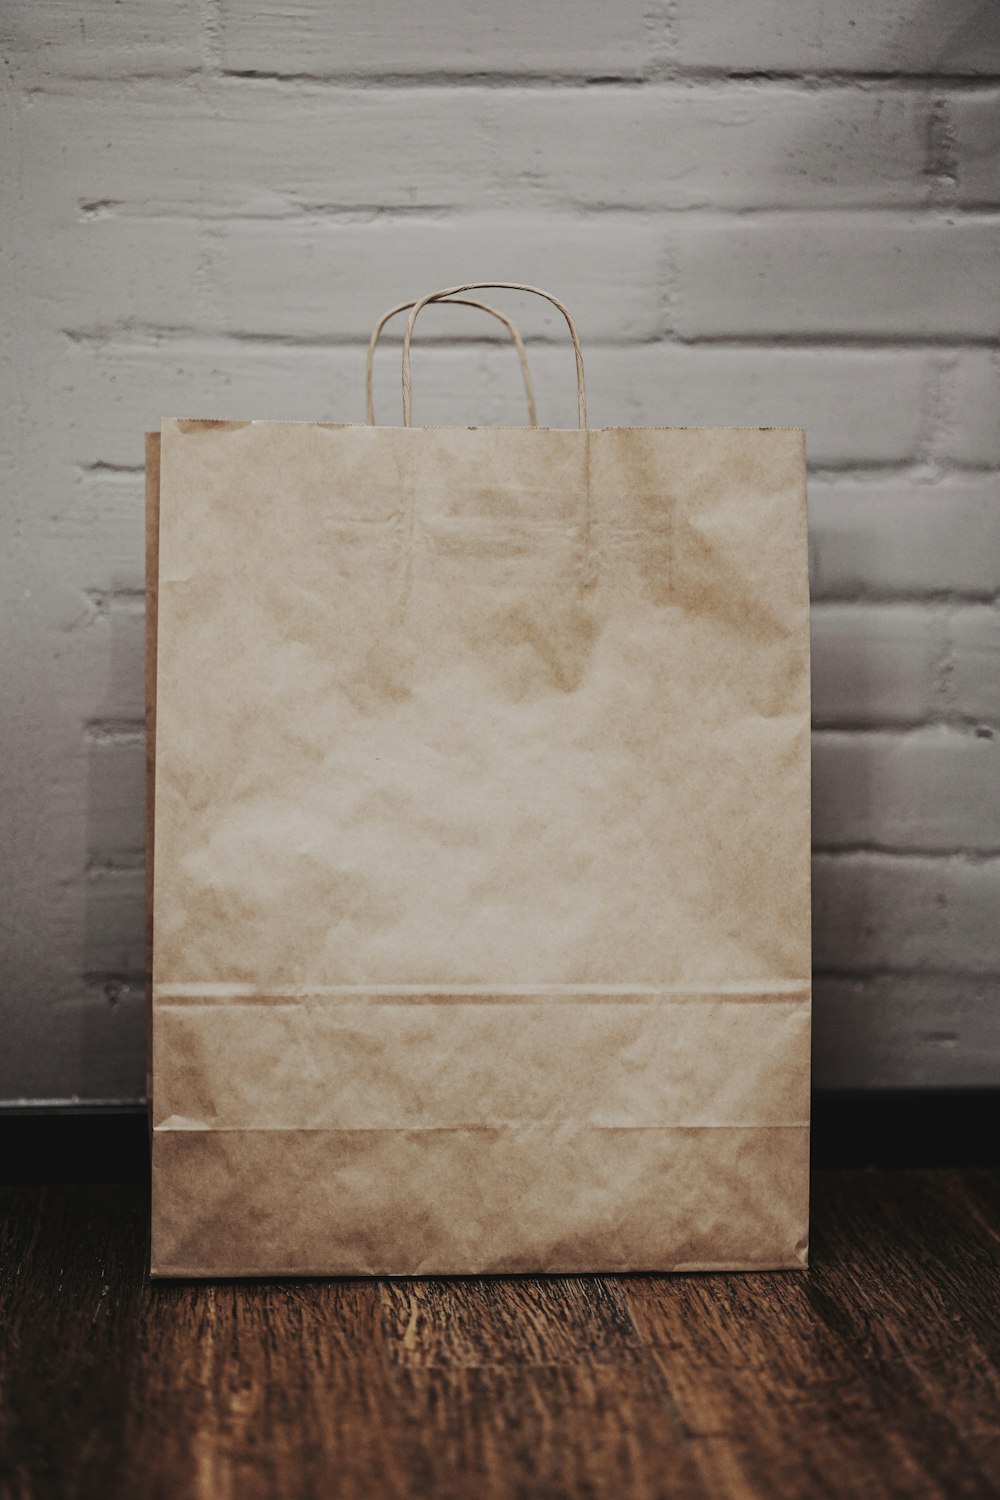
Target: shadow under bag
x=480, y=906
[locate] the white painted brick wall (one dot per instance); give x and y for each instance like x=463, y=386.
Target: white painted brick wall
x=777, y=212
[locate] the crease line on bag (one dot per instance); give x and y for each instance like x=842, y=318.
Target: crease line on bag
x=179, y=1125
x=195, y=994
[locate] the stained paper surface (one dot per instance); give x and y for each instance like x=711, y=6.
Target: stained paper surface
x=481, y=890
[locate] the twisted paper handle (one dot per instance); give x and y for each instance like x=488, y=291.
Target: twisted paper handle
x=494, y=312
x=478, y=286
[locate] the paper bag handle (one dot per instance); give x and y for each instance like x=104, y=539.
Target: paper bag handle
x=480, y=286
x=494, y=312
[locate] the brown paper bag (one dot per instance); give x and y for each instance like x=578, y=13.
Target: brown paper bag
x=481, y=887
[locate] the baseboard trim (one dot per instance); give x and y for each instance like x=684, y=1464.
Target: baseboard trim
x=73, y=1143
x=897, y=1128
x=923, y=1127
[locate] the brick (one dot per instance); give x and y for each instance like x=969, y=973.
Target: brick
x=265, y=149
x=852, y=275
x=905, y=1031
x=972, y=431
x=459, y=37
x=936, y=789
x=888, y=537
x=116, y=799
x=730, y=146
x=973, y=681
x=96, y=533
x=116, y=272
x=113, y=940
x=101, y=656
x=874, y=664
x=857, y=406
x=94, y=1049
x=974, y=124
x=813, y=36
x=318, y=278
x=905, y=912
x=48, y=38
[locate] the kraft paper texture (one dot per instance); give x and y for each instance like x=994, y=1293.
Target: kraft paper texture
x=481, y=887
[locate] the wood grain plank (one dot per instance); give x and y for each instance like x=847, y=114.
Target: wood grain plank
x=71, y=1276
x=256, y=1390
x=485, y=1321
x=876, y=1374
x=752, y=1362
x=929, y=1305
x=551, y=1432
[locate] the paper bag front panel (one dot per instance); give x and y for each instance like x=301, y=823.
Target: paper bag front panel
x=482, y=762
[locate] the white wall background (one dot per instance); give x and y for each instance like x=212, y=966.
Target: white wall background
x=773, y=211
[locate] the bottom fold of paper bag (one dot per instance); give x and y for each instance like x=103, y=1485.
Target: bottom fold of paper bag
x=482, y=1199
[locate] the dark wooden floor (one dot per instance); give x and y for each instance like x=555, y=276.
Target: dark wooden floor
x=874, y=1374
